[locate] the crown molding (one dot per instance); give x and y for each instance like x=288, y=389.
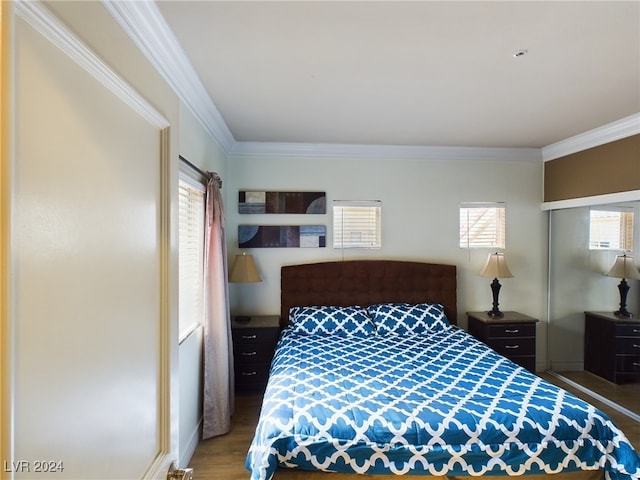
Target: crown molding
x=41, y=19
x=400, y=152
x=146, y=26
x=611, y=132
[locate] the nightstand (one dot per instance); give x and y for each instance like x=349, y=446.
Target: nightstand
x=513, y=335
x=612, y=346
x=253, y=345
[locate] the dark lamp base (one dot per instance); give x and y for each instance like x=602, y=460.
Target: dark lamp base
x=623, y=287
x=495, y=290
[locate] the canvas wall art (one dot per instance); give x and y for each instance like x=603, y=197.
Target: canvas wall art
x=282, y=236
x=282, y=202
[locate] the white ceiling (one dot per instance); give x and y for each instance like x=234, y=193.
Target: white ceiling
x=413, y=73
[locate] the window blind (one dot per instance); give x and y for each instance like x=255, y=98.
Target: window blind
x=482, y=225
x=190, y=254
x=611, y=228
x=357, y=224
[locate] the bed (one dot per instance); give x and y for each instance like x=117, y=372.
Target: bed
x=371, y=375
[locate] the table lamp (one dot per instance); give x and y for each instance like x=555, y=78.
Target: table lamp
x=496, y=267
x=623, y=268
x=244, y=271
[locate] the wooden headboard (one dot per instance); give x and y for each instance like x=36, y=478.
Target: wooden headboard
x=366, y=282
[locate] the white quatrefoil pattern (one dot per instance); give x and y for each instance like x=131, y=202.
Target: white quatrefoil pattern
x=440, y=403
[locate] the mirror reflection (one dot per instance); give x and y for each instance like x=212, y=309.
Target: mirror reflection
x=584, y=243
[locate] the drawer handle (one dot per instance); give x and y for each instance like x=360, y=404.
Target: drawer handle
x=249, y=374
x=512, y=347
x=635, y=330
x=249, y=354
x=636, y=346
x=249, y=337
x=636, y=364
x=512, y=331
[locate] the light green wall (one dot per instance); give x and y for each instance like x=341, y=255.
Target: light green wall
x=197, y=146
x=419, y=221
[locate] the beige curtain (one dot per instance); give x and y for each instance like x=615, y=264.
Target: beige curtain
x=218, y=348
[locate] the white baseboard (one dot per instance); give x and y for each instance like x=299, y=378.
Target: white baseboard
x=191, y=446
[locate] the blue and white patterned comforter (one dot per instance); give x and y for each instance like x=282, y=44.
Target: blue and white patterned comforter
x=435, y=404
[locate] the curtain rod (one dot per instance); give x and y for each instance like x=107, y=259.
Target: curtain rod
x=206, y=175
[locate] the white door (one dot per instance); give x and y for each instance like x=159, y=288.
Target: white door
x=87, y=255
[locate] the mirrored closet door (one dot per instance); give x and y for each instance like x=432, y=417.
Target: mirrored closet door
x=578, y=284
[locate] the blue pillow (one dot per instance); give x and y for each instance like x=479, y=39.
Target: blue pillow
x=406, y=318
x=330, y=320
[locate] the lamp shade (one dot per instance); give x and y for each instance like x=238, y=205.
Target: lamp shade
x=244, y=270
x=624, y=267
x=496, y=267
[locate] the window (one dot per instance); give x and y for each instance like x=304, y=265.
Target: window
x=611, y=228
x=356, y=224
x=482, y=225
x=190, y=254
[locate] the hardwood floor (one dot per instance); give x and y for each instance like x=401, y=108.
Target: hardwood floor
x=223, y=458
x=627, y=395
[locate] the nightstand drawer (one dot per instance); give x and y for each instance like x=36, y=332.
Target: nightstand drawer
x=627, y=345
x=628, y=364
x=513, y=346
x=526, y=361
x=255, y=335
x=628, y=331
x=252, y=352
x=252, y=375
x=511, y=331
